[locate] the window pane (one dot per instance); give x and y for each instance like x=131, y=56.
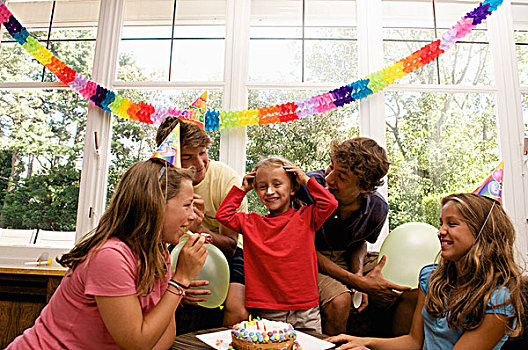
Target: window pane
x=293, y=41
x=133, y=141
x=16, y=64
x=520, y=27
x=396, y=50
x=144, y=60
x=42, y=136
x=448, y=12
x=331, y=61
x=197, y=41
x=198, y=60
x=409, y=25
x=275, y=60
x=438, y=144
x=303, y=142
x=524, y=102
x=72, y=38
x=404, y=15
x=466, y=64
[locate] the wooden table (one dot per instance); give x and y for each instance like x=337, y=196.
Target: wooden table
x=24, y=291
x=189, y=341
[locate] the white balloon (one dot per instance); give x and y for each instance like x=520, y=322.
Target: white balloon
x=408, y=248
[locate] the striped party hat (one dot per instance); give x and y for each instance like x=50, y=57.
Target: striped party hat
x=492, y=186
x=169, y=151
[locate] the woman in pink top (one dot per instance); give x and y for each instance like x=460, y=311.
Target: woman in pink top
x=118, y=292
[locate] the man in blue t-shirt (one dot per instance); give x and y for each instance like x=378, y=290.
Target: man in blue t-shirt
x=356, y=170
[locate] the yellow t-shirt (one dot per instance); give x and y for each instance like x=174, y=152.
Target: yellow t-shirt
x=218, y=181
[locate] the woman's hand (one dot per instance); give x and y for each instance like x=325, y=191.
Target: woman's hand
x=301, y=177
x=247, y=181
x=350, y=342
x=194, y=296
x=191, y=259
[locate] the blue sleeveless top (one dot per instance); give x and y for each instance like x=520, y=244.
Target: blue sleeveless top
x=438, y=335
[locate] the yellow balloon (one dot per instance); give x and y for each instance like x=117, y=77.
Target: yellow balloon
x=215, y=270
x=408, y=248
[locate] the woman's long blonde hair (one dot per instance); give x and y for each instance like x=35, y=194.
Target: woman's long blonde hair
x=135, y=215
x=463, y=294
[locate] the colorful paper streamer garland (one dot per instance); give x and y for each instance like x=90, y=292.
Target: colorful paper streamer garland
x=214, y=120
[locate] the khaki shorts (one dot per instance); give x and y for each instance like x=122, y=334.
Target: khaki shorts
x=309, y=319
x=329, y=288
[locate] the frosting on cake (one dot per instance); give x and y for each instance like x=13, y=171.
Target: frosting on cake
x=266, y=333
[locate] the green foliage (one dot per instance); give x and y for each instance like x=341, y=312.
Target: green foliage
x=47, y=201
x=438, y=144
x=5, y=169
x=41, y=137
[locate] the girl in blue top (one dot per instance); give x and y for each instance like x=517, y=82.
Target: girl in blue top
x=472, y=298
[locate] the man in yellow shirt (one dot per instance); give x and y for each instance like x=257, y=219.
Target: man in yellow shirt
x=212, y=182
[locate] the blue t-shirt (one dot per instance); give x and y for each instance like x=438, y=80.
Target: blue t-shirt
x=438, y=335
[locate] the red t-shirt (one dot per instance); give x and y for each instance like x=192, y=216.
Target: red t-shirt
x=279, y=254
x=71, y=320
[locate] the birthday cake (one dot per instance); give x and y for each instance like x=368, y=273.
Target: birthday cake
x=263, y=335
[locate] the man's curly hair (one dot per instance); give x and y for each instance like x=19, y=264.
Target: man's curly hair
x=190, y=134
x=364, y=158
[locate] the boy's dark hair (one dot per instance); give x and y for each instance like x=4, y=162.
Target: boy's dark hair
x=190, y=134
x=364, y=158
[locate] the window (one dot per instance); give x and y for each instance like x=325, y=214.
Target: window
x=525, y=114
x=43, y=127
x=409, y=25
x=300, y=42
x=68, y=29
x=169, y=40
x=439, y=143
x=520, y=26
x=303, y=41
x=177, y=45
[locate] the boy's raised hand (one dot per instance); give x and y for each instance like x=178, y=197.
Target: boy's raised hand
x=301, y=177
x=199, y=212
x=247, y=181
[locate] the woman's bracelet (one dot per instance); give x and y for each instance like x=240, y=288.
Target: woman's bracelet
x=177, y=286
x=172, y=282
x=180, y=293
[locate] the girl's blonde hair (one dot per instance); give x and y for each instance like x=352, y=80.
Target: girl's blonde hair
x=135, y=215
x=279, y=162
x=463, y=295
